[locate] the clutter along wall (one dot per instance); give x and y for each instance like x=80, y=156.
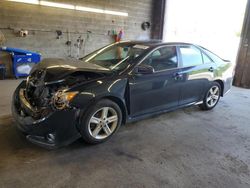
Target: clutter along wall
x=56, y=32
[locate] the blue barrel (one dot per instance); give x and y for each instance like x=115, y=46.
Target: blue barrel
x=22, y=60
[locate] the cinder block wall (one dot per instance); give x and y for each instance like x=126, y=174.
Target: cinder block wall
x=42, y=23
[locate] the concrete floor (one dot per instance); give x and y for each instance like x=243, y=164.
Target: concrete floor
x=185, y=148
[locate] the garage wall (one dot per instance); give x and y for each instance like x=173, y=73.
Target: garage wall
x=42, y=23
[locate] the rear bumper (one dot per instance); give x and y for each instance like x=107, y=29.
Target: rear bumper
x=53, y=131
x=227, y=85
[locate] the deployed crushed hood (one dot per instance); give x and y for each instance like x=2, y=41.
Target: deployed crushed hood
x=50, y=70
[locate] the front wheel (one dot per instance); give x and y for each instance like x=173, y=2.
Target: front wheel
x=212, y=97
x=100, y=121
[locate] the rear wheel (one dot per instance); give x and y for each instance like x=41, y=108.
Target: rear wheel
x=100, y=121
x=212, y=97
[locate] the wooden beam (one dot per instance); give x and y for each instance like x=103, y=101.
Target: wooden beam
x=242, y=70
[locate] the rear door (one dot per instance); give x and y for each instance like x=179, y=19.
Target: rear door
x=159, y=90
x=197, y=70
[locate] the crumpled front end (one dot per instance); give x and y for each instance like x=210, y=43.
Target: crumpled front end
x=39, y=120
x=43, y=104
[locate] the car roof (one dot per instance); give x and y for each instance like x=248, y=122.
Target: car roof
x=156, y=43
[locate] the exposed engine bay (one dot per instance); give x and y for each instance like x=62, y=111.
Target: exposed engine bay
x=46, y=97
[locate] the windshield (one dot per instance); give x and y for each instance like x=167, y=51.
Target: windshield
x=115, y=56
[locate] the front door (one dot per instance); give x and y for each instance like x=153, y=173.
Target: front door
x=159, y=90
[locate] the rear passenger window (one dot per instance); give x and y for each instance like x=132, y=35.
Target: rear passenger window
x=214, y=57
x=206, y=59
x=191, y=56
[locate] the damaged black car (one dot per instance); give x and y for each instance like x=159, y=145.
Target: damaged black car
x=63, y=100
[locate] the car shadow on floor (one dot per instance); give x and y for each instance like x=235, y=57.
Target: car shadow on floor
x=14, y=142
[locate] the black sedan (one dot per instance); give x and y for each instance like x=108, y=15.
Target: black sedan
x=63, y=100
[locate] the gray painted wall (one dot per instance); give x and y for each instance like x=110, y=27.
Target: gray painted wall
x=42, y=23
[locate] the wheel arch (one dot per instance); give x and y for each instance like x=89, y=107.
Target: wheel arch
x=114, y=99
x=221, y=85
x=120, y=103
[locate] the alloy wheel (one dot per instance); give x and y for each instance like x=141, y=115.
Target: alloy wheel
x=103, y=123
x=213, y=96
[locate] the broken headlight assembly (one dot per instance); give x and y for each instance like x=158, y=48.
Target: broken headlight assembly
x=62, y=98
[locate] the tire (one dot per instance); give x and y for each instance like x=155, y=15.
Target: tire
x=212, y=97
x=100, y=121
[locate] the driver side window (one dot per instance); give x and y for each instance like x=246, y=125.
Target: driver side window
x=162, y=59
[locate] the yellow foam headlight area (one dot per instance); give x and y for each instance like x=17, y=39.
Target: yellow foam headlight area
x=62, y=99
x=70, y=95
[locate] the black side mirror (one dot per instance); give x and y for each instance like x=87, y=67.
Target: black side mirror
x=144, y=69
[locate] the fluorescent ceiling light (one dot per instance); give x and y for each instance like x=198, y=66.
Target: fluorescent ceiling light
x=115, y=13
x=70, y=6
x=88, y=9
x=57, y=5
x=35, y=2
